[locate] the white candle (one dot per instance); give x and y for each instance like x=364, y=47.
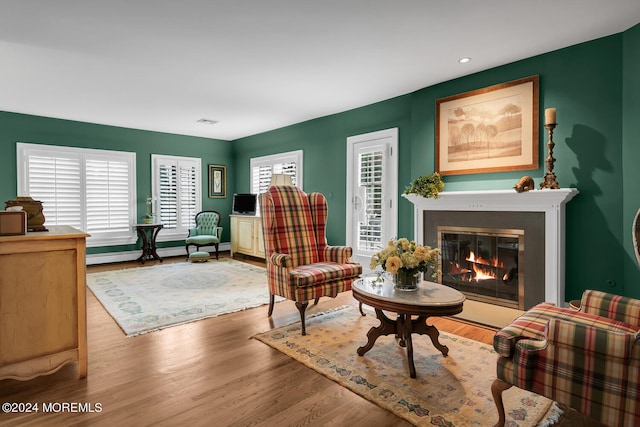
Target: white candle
x=550, y=116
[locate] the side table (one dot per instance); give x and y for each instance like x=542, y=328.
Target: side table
x=148, y=234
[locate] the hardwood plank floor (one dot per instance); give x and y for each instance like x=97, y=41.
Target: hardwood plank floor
x=202, y=373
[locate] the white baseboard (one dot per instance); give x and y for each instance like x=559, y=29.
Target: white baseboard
x=112, y=257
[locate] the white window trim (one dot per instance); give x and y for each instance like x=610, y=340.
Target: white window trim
x=179, y=233
x=24, y=150
x=272, y=159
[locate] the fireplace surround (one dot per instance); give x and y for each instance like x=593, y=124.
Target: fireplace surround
x=540, y=213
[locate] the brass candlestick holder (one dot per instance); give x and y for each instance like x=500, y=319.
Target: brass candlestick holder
x=550, y=177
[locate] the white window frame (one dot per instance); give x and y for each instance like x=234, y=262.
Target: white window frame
x=180, y=232
x=96, y=239
x=272, y=160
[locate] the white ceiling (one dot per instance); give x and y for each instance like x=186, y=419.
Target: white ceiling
x=257, y=65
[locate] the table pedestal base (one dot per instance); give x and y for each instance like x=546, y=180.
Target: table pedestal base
x=403, y=327
x=149, y=249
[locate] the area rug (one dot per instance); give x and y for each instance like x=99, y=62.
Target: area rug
x=147, y=299
x=448, y=391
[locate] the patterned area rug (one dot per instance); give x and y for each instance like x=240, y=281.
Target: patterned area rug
x=147, y=299
x=448, y=391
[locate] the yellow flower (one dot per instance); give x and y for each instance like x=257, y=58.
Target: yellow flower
x=393, y=264
x=422, y=253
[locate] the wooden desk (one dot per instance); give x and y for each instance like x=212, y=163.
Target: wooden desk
x=431, y=299
x=149, y=249
x=43, y=315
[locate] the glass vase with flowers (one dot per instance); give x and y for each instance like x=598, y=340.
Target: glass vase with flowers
x=405, y=260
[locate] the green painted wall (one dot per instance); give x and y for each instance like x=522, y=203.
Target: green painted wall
x=631, y=153
x=41, y=130
x=584, y=82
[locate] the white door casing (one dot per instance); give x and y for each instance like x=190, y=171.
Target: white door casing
x=372, y=192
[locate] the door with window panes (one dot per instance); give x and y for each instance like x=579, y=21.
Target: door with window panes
x=372, y=177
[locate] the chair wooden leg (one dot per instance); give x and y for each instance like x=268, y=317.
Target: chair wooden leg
x=497, y=388
x=187, y=248
x=361, y=312
x=315, y=302
x=217, y=244
x=302, y=306
x=271, y=303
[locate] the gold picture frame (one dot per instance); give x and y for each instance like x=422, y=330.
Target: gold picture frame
x=494, y=129
x=217, y=181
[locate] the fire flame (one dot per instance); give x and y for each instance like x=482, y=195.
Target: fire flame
x=479, y=260
x=481, y=273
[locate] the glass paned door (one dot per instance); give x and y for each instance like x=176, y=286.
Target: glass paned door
x=372, y=180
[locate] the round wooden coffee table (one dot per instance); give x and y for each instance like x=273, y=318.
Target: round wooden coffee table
x=431, y=299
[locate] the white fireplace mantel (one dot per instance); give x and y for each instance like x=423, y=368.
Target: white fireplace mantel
x=551, y=202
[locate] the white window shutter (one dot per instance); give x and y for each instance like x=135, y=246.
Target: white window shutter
x=168, y=193
x=107, y=199
x=56, y=182
x=370, y=182
x=188, y=195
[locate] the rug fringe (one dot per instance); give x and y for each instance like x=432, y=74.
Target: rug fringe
x=552, y=416
x=331, y=310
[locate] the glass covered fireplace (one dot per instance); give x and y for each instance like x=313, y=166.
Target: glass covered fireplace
x=486, y=264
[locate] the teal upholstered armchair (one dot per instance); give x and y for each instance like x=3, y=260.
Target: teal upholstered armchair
x=206, y=232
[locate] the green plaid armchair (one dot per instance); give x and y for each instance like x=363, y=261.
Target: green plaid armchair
x=207, y=232
x=300, y=264
x=587, y=359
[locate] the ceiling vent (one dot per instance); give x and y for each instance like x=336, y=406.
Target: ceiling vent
x=208, y=121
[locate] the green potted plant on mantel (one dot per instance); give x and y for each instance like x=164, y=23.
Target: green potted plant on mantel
x=429, y=186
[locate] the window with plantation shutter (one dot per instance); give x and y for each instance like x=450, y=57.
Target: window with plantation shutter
x=92, y=190
x=176, y=194
x=262, y=168
x=370, y=183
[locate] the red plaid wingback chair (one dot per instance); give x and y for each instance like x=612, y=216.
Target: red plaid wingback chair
x=300, y=264
x=587, y=359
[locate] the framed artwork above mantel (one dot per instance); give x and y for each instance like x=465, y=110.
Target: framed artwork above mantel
x=494, y=129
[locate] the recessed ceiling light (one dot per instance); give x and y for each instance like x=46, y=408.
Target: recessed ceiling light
x=464, y=60
x=208, y=121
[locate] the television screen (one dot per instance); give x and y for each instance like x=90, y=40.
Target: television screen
x=244, y=204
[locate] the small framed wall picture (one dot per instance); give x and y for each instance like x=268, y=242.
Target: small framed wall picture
x=217, y=181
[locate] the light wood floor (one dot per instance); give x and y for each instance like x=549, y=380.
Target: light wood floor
x=203, y=373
